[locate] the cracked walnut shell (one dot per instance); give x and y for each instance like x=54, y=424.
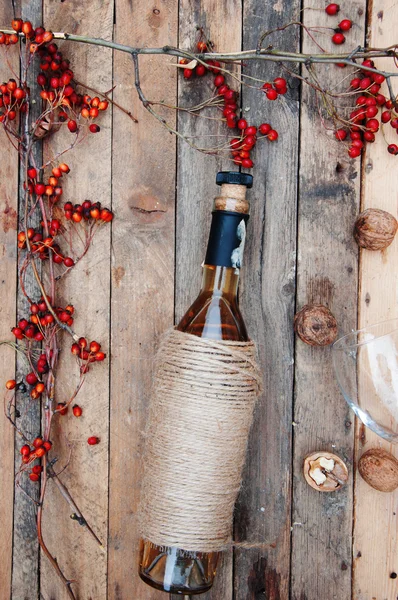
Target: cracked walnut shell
x=315, y=325
x=375, y=229
x=325, y=471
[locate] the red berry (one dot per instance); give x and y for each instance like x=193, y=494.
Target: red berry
x=393, y=149
x=371, y=112
x=222, y=89
x=37, y=442
x=200, y=70
x=100, y=356
x=201, y=46
x=394, y=123
x=37, y=469
x=374, y=89
x=247, y=163
x=385, y=116
x=365, y=83
x=369, y=136
x=47, y=446
x=279, y=83
x=271, y=94
x=340, y=134
x=357, y=144
x=23, y=323
x=64, y=168
x=273, y=135
x=11, y=384
x=378, y=78
x=16, y=24
x=95, y=346
x=219, y=80
x=242, y=124
x=17, y=332
x=40, y=188
x=25, y=450
x=380, y=99
x=93, y=440
x=34, y=477
x=82, y=343
x=69, y=262
x=72, y=126
x=354, y=152
x=372, y=125
x=338, y=38
x=250, y=140
x=250, y=130
x=332, y=9
x=355, y=83
x=188, y=73
x=77, y=411
x=264, y=128
x=31, y=379
x=62, y=408
x=94, y=128
x=345, y=25
x=27, y=29
x=235, y=143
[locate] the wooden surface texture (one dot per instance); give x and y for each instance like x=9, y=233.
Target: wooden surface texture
x=142, y=273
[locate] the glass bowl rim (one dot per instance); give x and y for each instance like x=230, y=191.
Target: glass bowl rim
x=337, y=345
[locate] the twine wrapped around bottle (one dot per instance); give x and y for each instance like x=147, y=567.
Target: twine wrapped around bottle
x=200, y=414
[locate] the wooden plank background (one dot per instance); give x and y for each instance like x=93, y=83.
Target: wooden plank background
x=144, y=271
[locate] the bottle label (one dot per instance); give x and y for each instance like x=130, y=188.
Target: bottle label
x=227, y=239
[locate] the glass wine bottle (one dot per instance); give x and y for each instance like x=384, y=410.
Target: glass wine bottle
x=214, y=314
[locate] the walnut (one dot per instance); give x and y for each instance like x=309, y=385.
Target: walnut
x=379, y=469
x=375, y=229
x=325, y=472
x=315, y=325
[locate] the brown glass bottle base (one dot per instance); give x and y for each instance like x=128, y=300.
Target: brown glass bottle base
x=175, y=590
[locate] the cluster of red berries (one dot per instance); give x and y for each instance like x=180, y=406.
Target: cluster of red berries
x=88, y=210
x=43, y=247
x=364, y=123
x=55, y=79
x=52, y=190
x=345, y=25
x=32, y=379
x=87, y=352
x=242, y=146
x=12, y=100
x=39, y=319
x=34, y=451
x=273, y=90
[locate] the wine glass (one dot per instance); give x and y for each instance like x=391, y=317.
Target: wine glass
x=366, y=367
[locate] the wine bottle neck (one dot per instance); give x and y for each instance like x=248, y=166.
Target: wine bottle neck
x=220, y=280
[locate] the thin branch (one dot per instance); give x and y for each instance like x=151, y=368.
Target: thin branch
x=77, y=514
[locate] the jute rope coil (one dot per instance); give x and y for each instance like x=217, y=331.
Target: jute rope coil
x=200, y=415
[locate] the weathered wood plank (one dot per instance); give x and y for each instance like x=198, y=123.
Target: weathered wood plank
x=268, y=305
x=196, y=173
x=142, y=272
x=25, y=574
x=8, y=281
x=375, y=527
x=87, y=287
x=327, y=274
